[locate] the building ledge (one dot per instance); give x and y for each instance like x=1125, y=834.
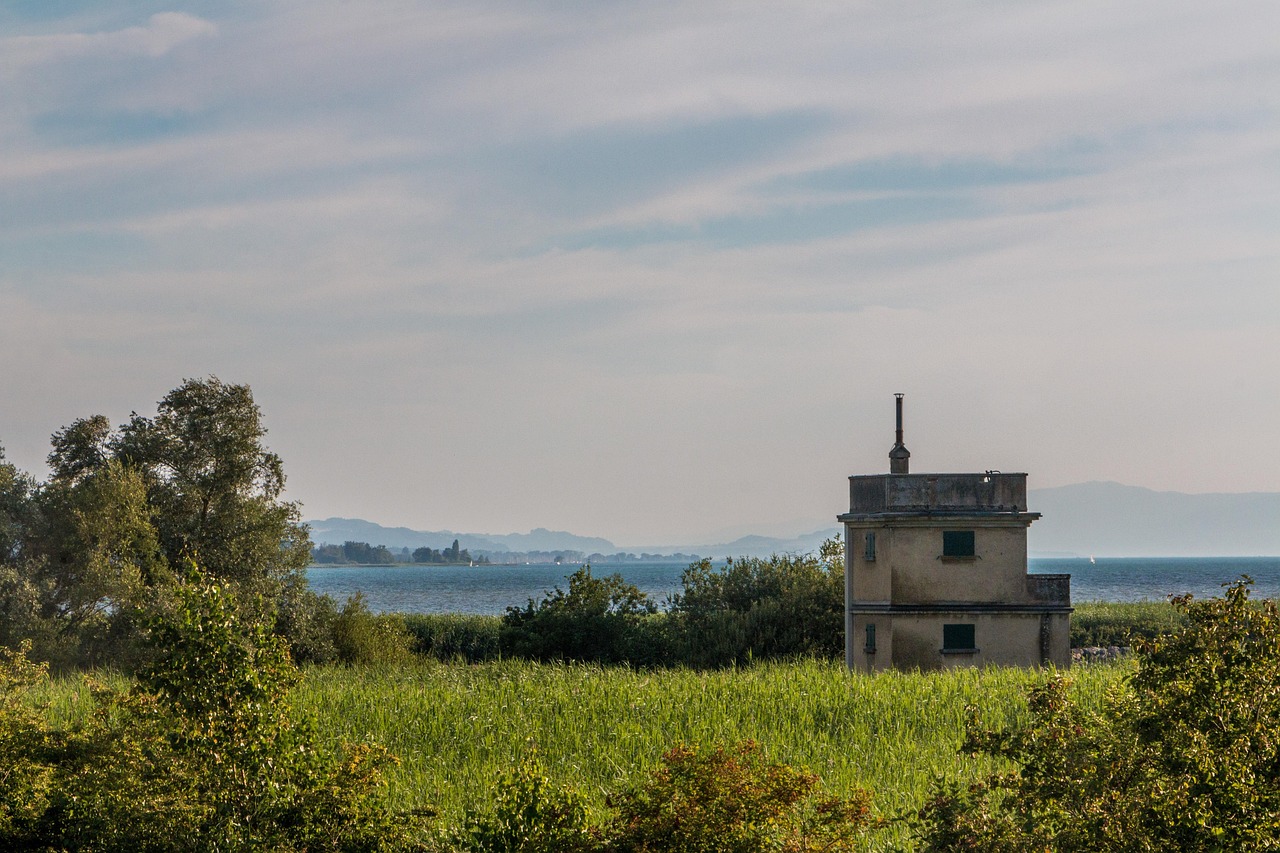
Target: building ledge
x=959, y=607
x=959, y=651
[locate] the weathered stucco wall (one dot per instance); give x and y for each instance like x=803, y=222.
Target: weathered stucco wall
x=915, y=641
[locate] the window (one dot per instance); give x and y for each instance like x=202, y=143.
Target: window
x=957, y=543
x=958, y=638
x=869, y=553
x=871, y=639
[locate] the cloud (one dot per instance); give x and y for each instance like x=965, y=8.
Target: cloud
x=163, y=32
x=535, y=251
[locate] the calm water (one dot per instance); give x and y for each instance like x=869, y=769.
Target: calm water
x=491, y=589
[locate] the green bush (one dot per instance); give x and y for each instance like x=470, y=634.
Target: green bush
x=751, y=609
x=361, y=637
x=733, y=801
x=455, y=636
x=597, y=619
x=1184, y=757
x=203, y=753
x=528, y=815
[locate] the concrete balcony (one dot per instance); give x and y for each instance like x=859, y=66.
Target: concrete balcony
x=1049, y=589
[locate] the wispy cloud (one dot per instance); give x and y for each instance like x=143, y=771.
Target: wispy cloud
x=684, y=248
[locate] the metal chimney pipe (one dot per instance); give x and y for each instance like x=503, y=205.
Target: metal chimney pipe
x=898, y=437
x=899, y=456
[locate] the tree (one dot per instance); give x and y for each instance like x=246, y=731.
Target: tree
x=215, y=489
x=755, y=608
x=1185, y=757
x=597, y=619
x=81, y=553
x=98, y=556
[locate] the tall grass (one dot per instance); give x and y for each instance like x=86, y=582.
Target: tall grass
x=1109, y=623
x=457, y=728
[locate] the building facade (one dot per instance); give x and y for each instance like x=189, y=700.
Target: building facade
x=936, y=573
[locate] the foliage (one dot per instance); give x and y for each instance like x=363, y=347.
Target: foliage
x=528, y=815
x=359, y=553
x=84, y=555
x=1100, y=623
x=597, y=619
x=25, y=775
x=204, y=752
x=455, y=636
x=1185, y=757
x=360, y=637
x=215, y=489
x=756, y=608
x=733, y=801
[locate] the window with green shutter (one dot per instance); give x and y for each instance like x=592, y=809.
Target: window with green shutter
x=958, y=543
x=958, y=638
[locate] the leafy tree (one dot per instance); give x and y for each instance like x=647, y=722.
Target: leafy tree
x=757, y=608
x=81, y=553
x=216, y=490
x=1185, y=757
x=597, y=619
x=98, y=556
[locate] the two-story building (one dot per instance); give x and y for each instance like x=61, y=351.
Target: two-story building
x=936, y=573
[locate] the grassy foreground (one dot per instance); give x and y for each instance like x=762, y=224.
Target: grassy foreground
x=457, y=728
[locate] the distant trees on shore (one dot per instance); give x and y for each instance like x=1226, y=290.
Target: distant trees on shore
x=364, y=554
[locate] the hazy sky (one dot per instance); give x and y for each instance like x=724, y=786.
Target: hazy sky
x=651, y=271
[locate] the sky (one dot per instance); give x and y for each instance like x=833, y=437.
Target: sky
x=651, y=271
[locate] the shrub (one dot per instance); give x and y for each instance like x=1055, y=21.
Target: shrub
x=455, y=636
x=528, y=815
x=1183, y=758
x=733, y=801
x=753, y=608
x=597, y=619
x=26, y=776
x=204, y=752
x=361, y=637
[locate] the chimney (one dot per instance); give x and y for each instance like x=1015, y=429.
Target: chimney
x=899, y=456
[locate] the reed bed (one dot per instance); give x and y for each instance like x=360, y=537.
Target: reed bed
x=458, y=728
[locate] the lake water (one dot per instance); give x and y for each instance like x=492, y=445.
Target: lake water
x=492, y=589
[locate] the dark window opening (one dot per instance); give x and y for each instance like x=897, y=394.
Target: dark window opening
x=958, y=638
x=871, y=639
x=958, y=543
x=869, y=553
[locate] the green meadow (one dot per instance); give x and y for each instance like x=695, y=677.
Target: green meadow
x=456, y=728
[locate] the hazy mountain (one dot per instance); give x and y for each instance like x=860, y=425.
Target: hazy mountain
x=1128, y=521
x=1104, y=519
x=335, y=531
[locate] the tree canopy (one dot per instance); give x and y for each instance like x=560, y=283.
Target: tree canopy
x=122, y=509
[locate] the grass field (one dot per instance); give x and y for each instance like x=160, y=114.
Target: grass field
x=457, y=728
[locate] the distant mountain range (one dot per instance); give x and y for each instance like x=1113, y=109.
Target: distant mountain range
x=335, y=531
x=1097, y=518
x=1116, y=520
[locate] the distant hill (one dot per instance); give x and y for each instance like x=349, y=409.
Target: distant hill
x=1116, y=520
x=1103, y=519
x=335, y=531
